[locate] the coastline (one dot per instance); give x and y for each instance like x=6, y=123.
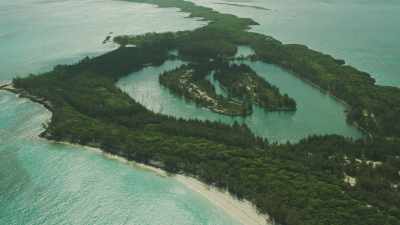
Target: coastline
x=242, y=211
x=22, y=94
x=244, y=6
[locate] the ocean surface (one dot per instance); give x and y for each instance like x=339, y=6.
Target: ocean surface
x=48, y=183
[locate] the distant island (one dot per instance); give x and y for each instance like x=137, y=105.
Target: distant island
x=325, y=179
x=243, y=5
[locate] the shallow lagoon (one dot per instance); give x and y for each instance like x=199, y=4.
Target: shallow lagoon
x=143, y=86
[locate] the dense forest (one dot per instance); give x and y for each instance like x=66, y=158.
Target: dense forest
x=320, y=180
x=242, y=82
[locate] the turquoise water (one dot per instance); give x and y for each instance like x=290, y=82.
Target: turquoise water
x=363, y=32
x=47, y=183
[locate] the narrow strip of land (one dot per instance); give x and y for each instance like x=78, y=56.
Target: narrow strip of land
x=243, y=6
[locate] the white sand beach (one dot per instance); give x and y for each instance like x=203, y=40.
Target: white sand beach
x=242, y=211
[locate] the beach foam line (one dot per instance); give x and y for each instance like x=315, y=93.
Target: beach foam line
x=242, y=211
x=4, y=84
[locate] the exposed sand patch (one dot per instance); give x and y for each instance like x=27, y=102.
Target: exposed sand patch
x=242, y=211
x=352, y=181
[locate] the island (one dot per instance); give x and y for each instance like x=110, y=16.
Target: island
x=243, y=6
x=243, y=83
x=241, y=86
x=325, y=179
x=189, y=82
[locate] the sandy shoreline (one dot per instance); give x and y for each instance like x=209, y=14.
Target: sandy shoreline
x=242, y=211
x=5, y=84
